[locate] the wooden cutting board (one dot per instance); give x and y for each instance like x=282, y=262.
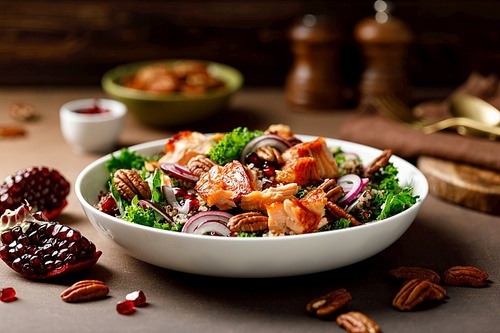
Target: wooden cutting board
x=462, y=184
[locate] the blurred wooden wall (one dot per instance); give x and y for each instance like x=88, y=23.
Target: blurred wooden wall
x=69, y=42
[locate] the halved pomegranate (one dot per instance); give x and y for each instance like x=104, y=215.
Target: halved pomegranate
x=44, y=188
x=40, y=249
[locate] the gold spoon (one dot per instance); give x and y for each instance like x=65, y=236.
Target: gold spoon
x=477, y=109
x=394, y=108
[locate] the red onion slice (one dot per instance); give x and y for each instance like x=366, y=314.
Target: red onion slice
x=354, y=203
x=169, y=195
x=272, y=140
x=179, y=172
x=352, y=185
x=149, y=204
x=184, y=209
x=214, y=228
x=200, y=218
x=365, y=181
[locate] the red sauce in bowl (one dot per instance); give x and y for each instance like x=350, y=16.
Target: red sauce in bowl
x=92, y=110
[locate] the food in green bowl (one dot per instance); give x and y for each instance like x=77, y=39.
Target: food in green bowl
x=165, y=93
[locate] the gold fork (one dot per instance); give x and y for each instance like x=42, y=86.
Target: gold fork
x=392, y=107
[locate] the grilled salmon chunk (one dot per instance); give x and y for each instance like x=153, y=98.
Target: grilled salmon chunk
x=317, y=149
x=258, y=200
x=224, y=186
x=303, y=171
x=300, y=216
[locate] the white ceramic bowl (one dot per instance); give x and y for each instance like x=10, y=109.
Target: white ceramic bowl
x=97, y=132
x=250, y=257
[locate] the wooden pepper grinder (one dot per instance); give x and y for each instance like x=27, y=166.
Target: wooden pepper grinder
x=313, y=81
x=384, y=40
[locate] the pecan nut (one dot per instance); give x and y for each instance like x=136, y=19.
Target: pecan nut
x=285, y=132
x=23, y=112
x=200, y=164
x=8, y=131
x=338, y=212
x=357, y=322
x=332, y=190
x=410, y=273
x=415, y=292
x=465, y=276
x=85, y=290
x=151, y=166
x=270, y=154
x=248, y=222
x=329, y=303
x=380, y=162
x=129, y=184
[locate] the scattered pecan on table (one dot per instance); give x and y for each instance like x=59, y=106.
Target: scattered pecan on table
x=10, y=131
x=85, y=290
x=465, y=276
x=23, y=112
x=405, y=273
x=415, y=292
x=357, y=322
x=328, y=304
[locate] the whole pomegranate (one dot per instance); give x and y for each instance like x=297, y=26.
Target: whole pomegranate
x=40, y=249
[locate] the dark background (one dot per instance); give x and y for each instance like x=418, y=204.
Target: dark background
x=69, y=42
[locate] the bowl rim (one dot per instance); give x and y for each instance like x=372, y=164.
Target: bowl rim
x=160, y=142
x=109, y=82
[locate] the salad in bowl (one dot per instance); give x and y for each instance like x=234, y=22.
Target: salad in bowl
x=252, y=183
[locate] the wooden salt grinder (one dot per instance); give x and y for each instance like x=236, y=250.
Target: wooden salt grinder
x=384, y=40
x=313, y=81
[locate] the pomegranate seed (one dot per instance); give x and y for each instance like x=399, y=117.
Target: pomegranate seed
x=107, y=204
x=7, y=294
x=138, y=297
x=254, y=159
x=269, y=170
x=125, y=307
x=180, y=192
x=194, y=204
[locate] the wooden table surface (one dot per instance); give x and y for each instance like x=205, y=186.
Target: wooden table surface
x=443, y=235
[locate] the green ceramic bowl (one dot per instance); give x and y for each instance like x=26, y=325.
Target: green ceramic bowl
x=163, y=110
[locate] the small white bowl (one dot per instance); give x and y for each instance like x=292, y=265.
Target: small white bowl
x=94, y=132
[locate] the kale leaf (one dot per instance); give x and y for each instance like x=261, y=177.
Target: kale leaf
x=126, y=159
x=230, y=147
x=390, y=197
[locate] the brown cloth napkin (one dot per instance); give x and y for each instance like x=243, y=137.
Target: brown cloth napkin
x=368, y=127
